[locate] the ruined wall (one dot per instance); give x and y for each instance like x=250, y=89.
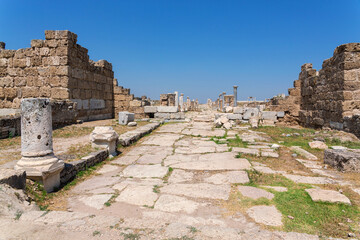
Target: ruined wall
x=124, y=101
x=333, y=93
x=60, y=69
x=167, y=99
x=229, y=100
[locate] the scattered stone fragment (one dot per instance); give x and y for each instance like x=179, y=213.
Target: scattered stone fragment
x=132, y=124
x=303, y=153
x=269, y=154
x=318, y=145
x=267, y=215
x=255, y=193
x=321, y=195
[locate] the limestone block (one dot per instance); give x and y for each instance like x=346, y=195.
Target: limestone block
x=280, y=114
x=318, y=144
x=150, y=109
x=106, y=138
x=254, y=122
x=97, y=104
x=237, y=110
x=167, y=109
x=85, y=104
x=250, y=112
x=320, y=195
x=135, y=103
x=234, y=116
x=269, y=115
x=126, y=117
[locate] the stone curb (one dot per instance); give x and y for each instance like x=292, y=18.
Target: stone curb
x=132, y=136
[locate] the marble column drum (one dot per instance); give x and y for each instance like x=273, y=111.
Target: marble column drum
x=38, y=159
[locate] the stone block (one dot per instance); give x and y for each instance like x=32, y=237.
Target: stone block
x=342, y=160
x=13, y=178
x=135, y=103
x=97, y=104
x=85, y=104
x=167, y=109
x=126, y=117
x=105, y=137
x=250, y=112
x=234, y=116
x=238, y=110
x=150, y=109
x=280, y=114
x=269, y=115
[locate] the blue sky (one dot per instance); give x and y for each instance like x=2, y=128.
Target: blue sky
x=198, y=47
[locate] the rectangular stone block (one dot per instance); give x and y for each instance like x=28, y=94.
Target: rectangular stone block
x=269, y=115
x=126, y=117
x=250, y=112
x=167, y=109
x=97, y=104
x=150, y=109
x=234, y=116
x=280, y=114
x=238, y=110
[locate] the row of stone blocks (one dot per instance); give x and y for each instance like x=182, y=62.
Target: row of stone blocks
x=130, y=137
x=247, y=113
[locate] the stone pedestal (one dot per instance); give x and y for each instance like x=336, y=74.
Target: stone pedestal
x=106, y=138
x=38, y=159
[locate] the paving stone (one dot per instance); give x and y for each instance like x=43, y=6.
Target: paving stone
x=148, y=149
x=171, y=203
x=267, y=215
x=195, y=150
x=269, y=154
x=138, y=195
x=303, y=153
x=276, y=188
x=309, y=164
x=263, y=169
x=321, y=195
x=255, y=193
x=151, y=158
x=228, y=177
x=318, y=145
x=162, y=139
x=95, y=201
x=172, y=128
x=178, y=176
x=102, y=190
x=176, y=230
x=249, y=151
x=215, y=161
x=198, y=190
x=145, y=171
x=108, y=168
x=126, y=160
x=204, y=133
x=259, y=146
x=94, y=183
x=310, y=180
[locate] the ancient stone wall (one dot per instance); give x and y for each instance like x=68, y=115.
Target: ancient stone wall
x=60, y=69
x=124, y=101
x=167, y=99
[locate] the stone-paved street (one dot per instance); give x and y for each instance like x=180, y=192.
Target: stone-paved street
x=171, y=185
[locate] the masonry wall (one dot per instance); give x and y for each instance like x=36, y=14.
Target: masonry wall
x=60, y=69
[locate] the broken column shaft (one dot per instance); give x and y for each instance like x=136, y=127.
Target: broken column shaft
x=235, y=96
x=38, y=158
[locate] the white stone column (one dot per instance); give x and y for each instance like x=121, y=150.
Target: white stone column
x=188, y=103
x=38, y=158
x=235, y=96
x=177, y=99
x=181, y=102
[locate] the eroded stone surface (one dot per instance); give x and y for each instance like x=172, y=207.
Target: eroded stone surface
x=179, y=175
x=145, y=171
x=228, y=177
x=255, y=193
x=138, y=195
x=198, y=190
x=267, y=215
x=95, y=201
x=171, y=203
x=322, y=195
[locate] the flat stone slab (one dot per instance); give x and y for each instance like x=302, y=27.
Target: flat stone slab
x=250, y=151
x=309, y=180
x=145, y=171
x=269, y=154
x=108, y=168
x=309, y=164
x=228, y=177
x=264, y=169
x=126, y=160
x=321, y=195
x=172, y=128
x=95, y=183
x=95, y=201
x=179, y=175
x=151, y=158
x=195, y=149
x=138, y=195
x=162, y=139
x=198, y=190
x=255, y=193
x=215, y=161
x=303, y=153
x=267, y=215
x=171, y=203
x=276, y=188
x=204, y=133
x=148, y=149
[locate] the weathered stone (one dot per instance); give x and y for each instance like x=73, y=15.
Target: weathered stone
x=150, y=109
x=343, y=160
x=255, y=193
x=95, y=201
x=138, y=195
x=167, y=109
x=318, y=144
x=105, y=137
x=198, y=190
x=267, y=215
x=145, y=171
x=126, y=117
x=250, y=112
x=228, y=177
x=38, y=159
x=303, y=153
x=269, y=115
x=170, y=203
x=276, y=188
x=327, y=196
x=13, y=178
x=132, y=124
